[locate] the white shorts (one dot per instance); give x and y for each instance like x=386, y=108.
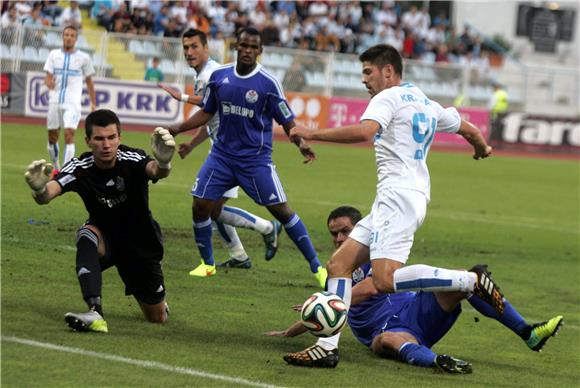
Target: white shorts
x=389, y=229
x=232, y=193
x=62, y=116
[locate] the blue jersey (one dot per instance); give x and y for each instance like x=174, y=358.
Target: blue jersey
x=368, y=317
x=246, y=106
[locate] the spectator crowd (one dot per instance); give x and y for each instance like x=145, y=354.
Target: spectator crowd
x=346, y=27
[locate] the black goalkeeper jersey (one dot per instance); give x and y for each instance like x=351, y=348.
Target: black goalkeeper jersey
x=117, y=200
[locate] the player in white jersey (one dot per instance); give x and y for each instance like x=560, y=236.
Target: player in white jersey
x=65, y=69
x=402, y=121
x=226, y=218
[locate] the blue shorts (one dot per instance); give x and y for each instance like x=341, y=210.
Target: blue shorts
x=423, y=318
x=258, y=179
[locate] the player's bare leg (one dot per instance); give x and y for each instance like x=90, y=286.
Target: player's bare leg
x=155, y=313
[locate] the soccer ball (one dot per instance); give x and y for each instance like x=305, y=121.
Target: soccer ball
x=324, y=314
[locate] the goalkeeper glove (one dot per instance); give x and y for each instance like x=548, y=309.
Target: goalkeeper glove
x=37, y=176
x=163, y=147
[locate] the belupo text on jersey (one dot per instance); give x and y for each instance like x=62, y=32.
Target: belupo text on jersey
x=229, y=108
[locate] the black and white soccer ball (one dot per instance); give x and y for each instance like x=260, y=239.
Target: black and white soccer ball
x=324, y=314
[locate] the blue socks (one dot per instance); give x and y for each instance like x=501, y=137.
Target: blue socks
x=297, y=232
x=418, y=355
x=202, y=232
x=510, y=318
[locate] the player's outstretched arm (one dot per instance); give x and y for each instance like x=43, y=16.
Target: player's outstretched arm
x=297, y=328
x=198, y=119
x=303, y=146
x=163, y=148
x=37, y=176
x=198, y=137
x=472, y=134
x=357, y=133
x=176, y=93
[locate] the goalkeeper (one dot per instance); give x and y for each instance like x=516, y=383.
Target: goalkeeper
x=112, y=180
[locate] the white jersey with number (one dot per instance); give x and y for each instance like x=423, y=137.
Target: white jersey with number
x=201, y=81
x=408, y=121
x=69, y=71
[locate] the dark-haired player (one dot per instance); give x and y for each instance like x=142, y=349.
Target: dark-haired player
x=112, y=180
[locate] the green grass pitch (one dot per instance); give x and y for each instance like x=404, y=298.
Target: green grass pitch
x=519, y=215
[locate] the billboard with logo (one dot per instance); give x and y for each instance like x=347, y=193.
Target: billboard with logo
x=530, y=132
x=134, y=102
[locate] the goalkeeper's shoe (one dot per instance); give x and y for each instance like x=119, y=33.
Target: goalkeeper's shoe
x=449, y=364
x=203, y=270
x=235, y=263
x=90, y=321
x=313, y=357
x=487, y=289
x=321, y=276
x=541, y=332
x=271, y=240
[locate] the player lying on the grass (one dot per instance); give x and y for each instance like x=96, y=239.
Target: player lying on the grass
x=112, y=180
x=401, y=121
x=225, y=218
x=406, y=325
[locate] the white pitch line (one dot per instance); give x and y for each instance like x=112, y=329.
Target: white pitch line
x=136, y=362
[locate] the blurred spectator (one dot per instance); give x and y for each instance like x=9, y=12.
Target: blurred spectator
x=173, y=30
x=23, y=9
x=10, y=18
x=411, y=19
x=179, y=13
x=103, y=12
x=270, y=34
x=161, y=21
x=51, y=11
x=71, y=16
x=199, y=21
x=121, y=20
x=35, y=19
x=153, y=73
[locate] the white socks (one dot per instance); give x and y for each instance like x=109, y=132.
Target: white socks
x=343, y=288
x=230, y=237
x=69, y=152
x=424, y=277
x=53, y=152
x=239, y=217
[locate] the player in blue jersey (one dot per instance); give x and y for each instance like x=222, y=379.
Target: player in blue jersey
x=404, y=326
x=226, y=218
x=247, y=99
